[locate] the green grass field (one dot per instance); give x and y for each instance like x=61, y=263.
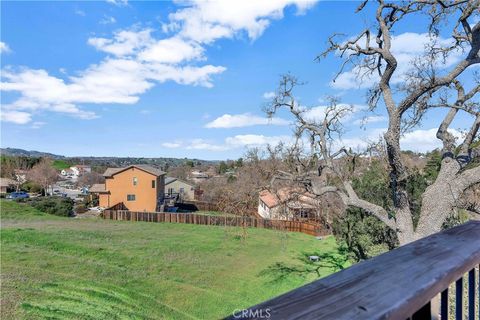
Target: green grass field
x=66, y=268
x=60, y=165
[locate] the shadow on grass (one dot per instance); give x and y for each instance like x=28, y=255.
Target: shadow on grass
x=327, y=263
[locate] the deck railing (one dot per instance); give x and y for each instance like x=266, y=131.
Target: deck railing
x=405, y=283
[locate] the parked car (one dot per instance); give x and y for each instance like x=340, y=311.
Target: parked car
x=18, y=195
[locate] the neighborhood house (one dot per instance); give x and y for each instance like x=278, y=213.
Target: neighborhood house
x=76, y=171
x=137, y=187
x=7, y=184
x=175, y=186
x=198, y=176
x=287, y=204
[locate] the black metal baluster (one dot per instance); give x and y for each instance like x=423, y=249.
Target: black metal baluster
x=444, y=305
x=424, y=312
x=471, y=294
x=459, y=299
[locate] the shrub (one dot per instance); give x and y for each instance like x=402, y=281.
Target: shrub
x=80, y=208
x=53, y=205
x=31, y=187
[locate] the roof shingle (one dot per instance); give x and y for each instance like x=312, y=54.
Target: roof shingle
x=113, y=171
x=98, y=187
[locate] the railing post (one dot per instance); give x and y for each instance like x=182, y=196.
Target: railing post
x=471, y=294
x=459, y=299
x=423, y=313
x=444, y=304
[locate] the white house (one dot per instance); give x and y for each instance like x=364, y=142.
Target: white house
x=198, y=176
x=66, y=172
x=287, y=204
x=79, y=170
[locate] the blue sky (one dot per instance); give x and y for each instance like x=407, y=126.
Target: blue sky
x=152, y=79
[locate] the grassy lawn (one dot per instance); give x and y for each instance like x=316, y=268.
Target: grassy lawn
x=65, y=268
x=60, y=165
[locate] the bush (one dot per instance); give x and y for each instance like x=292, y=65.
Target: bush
x=53, y=205
x=31, y=187
x=80, y=208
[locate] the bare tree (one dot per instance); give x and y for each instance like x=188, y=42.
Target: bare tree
x=426, y=86
x=89, y=179
x=43, y=173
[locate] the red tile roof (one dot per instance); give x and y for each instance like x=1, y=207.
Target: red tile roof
x=294, y=197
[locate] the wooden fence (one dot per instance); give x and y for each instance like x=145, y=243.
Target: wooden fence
x=202, y=205
x=210, y=220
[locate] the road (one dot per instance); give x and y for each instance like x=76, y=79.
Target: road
x=67, y=188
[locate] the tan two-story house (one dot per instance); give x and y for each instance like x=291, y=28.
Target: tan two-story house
x=175, y=186
x=138, y=187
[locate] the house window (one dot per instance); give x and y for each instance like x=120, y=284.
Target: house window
x=130, y=197
x=182, y=190
x=135, y=181
x=153, y=184
x=263, y=205
x=170, y=190
x=303, y=213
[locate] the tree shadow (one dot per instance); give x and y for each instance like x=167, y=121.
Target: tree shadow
x=281, y=271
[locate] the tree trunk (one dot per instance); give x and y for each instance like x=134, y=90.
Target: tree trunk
x=439, y=199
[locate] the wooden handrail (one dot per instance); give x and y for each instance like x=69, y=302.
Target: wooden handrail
x=393, y=285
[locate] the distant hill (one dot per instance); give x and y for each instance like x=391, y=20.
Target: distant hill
x=105, y=161
x=25, y=153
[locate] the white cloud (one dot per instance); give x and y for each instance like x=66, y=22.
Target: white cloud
x=124, y=42
x=80, y=12
x=424, y=140
x=189, y=75
x=118, y=2
x=114, y=80
x=201, y=144
x=243, y=120
x=207, y=21
x=108, y=20
x=318, y=113
x=360, y=141
x=251, y=140
x=4, y=48
x=405, y=47
x=38, y=124
x=172, y=50
x=370, y=119
x=419, y=140
x=235, y=142
x=171, y=145
x=17, y=117
x=136, y=61
x=269, y=95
